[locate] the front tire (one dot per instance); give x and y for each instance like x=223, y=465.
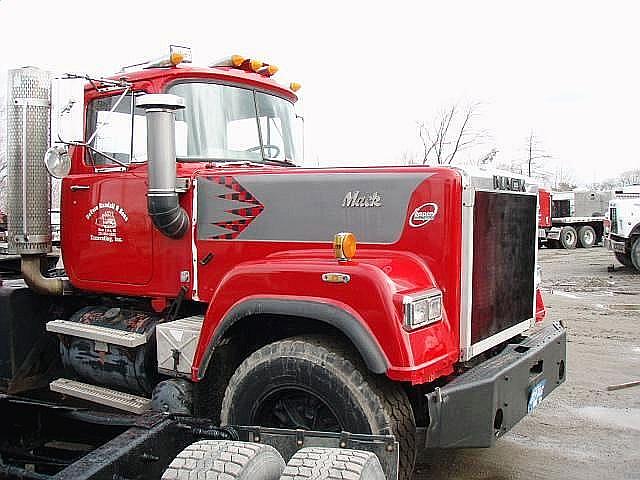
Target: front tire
x=635, y=254
x=315, y=383
x=624, y=259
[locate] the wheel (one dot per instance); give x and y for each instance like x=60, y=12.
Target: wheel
x=568, y=238
x=587, y=236
x=224, y=459
x=624, y=259
x=635, y=253
x=315, y=383
x=333, y=464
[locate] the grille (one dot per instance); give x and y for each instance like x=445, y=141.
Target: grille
x=613, y=216
x=504, y=249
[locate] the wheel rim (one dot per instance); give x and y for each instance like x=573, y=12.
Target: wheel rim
x=295, y=407
x=569, y=238
x=588, y=237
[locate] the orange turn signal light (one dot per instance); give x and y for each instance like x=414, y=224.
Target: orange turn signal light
x=344, y=246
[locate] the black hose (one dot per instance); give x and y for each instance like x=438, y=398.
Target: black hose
x=167, y=214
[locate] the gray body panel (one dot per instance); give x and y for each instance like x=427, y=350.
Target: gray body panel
x=310, y=207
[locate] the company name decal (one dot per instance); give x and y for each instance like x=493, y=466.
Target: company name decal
x=362, y=199
x=510, y=184
x=105, y=224
x=423, y=214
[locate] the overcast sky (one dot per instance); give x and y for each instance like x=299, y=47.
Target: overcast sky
x=566, y=70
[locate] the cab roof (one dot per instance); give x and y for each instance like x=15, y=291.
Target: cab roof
x=229, y=75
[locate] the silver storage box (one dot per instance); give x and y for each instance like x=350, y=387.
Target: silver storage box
x=176, y=343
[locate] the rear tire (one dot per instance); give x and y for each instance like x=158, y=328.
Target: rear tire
x=225, y=459
x=568, y=238
x=316, y=383
x=333, y=464
x=587, y=236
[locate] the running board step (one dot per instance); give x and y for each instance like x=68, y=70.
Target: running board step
x=101, y=395
x=97, y=333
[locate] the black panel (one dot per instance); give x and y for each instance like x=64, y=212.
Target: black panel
x=560, y=208
x=504, y=243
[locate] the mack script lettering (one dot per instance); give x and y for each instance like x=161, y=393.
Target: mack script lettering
x=362, y=199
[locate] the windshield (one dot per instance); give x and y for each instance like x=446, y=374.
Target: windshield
x=232, y=123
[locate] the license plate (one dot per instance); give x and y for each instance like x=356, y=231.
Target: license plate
x=535, y=397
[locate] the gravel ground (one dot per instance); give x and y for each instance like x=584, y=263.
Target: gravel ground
x=581, y=431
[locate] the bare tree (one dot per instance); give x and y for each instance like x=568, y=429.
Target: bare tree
x=564, y=178
x=450, y=133
x=535, y=153
x=630, y=177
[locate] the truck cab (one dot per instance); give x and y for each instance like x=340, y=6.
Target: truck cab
x=207, y=275
x=624, y=226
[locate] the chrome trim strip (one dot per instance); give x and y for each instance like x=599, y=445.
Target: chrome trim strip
x=466, y=267
x=194, y=249
x=500, y=337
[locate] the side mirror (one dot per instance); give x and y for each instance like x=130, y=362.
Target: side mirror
x=67, y=110
x=57, y=161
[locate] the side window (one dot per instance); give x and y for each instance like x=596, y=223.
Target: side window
x=111, y=131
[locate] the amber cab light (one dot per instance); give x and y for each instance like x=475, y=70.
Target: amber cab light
x=344, y=246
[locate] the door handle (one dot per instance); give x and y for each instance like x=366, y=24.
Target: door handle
x=75, y=188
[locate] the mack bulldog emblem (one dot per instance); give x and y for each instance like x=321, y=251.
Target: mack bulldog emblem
x=362, y=199
x=423, y=214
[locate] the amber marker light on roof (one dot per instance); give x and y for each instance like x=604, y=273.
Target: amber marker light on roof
x=268, y=70
x=232, y=61
x=176, y=58
x=294, y=86
x=344, y=246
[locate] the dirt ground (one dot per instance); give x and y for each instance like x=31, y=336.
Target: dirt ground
x=581, y=431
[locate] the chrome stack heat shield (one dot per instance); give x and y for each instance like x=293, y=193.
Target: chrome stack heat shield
x=28, y=191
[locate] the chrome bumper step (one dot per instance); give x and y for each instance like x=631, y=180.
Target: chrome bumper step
x=101, y=395
x=97, y=333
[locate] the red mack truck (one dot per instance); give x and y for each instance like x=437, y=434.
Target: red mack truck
x=222, y=311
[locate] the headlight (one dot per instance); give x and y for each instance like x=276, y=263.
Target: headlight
x=422, y=309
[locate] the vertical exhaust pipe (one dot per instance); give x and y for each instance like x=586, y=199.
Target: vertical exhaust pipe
x=162, y=199
x=28, y=186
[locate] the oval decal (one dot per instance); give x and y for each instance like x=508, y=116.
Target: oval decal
x=423, y=214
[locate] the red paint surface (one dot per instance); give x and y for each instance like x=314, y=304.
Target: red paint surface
x=146, y=263
x=544, y=216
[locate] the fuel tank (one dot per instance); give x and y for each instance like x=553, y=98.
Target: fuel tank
x=110, y=365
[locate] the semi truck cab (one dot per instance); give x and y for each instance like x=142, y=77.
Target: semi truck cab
x=207, y=275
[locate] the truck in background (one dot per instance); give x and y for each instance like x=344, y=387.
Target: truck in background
x=623, y=226
x=210, y=281
x=572, y=219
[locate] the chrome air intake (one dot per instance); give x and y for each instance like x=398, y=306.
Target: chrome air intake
x=162, y=199
x=28, y=194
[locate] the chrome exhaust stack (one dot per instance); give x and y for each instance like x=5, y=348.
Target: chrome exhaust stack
x=162, y=199
x=28, y=184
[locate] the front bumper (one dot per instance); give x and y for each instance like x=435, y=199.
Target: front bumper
x=484, y=403
x=616, y=246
